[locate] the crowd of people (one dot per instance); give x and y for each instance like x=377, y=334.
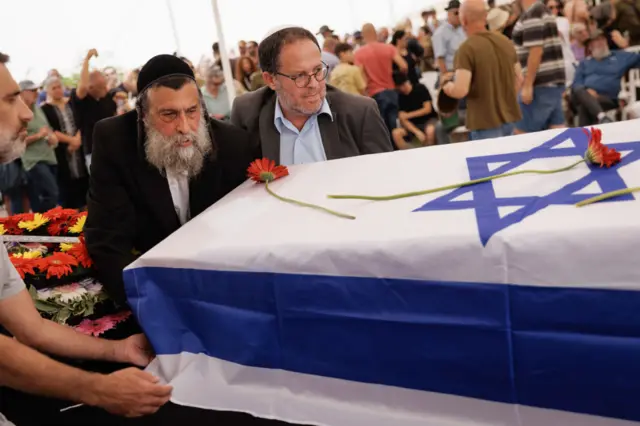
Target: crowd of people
x=570, y=61
x=145, y=168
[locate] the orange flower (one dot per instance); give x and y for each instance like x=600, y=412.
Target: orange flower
x=597, y=153
x=265, y=170
x=58, y=264
x=24, y=265
x=79, y=251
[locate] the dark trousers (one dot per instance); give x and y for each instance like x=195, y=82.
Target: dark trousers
x=589, y=107
x=387, y=101
x=43, y=187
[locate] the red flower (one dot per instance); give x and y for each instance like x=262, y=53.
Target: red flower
x=265, y=170
x=79, y=251
x=58, y=264
x=22, y=217
x=597, y=153
x=58, y=213
x=24, y=266
x=58, y=228
x=11, y=226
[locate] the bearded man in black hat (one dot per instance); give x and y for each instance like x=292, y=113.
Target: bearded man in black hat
x=156, y=167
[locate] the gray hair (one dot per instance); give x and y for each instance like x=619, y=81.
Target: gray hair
x=215, y=72
x=51, y=81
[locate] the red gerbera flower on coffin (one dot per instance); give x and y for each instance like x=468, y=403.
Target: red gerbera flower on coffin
x=80, y=252
x=265, y=170
x=23, y=265
x=57, y=265
x=599, y=154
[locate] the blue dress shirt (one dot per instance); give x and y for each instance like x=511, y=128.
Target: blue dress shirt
x=301, y=146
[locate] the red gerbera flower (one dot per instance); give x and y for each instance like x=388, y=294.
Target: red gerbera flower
x=58, y=213
x=59, y=227
x=22, y=217
x=58, y=264
x=24, y=266
x=597, y=153
x=265, y=170
x=80, y=252
x=11, y=226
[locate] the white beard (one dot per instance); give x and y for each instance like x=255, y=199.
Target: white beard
x=11, y=146
x=166, y=154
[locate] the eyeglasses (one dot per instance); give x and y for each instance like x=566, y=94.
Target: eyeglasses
x=303, y=80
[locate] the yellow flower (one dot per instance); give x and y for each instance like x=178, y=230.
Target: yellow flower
x=79, y=226
x=36, y=254
x=66, y=246
x=37, y=222
x=2, y=230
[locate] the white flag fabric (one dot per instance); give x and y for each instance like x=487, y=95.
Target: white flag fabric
x=499, y=303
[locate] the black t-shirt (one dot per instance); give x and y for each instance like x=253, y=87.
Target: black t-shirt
x=88, y=112
x=415, y=101
x=412, y=72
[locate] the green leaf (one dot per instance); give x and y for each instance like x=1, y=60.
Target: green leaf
x=46, y=308
x=33, y=292
x=62, y=316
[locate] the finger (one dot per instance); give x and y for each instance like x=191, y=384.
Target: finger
x=148, y=409
x=145, y=376
x=161, y=391
x=155, y=401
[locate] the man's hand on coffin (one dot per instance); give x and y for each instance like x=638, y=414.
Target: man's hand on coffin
x=134, y=350
x=130, y=393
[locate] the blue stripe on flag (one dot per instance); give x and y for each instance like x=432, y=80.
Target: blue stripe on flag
x=571, y=349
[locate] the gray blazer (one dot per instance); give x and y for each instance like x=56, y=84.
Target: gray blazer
x=356, y=128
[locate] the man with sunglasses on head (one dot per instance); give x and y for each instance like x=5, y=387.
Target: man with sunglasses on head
x=298, y=118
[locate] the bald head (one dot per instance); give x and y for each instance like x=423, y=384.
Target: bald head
x=473, y=13
x=369, y=33
x=97, y=85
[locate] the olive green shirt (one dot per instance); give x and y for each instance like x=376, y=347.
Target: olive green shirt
x=492, y=100
x=40, y=150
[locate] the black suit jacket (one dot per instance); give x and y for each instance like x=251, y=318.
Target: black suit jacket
x=356, y=127
x=129, y=201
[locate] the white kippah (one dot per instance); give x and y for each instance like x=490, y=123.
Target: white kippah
x=278, y=28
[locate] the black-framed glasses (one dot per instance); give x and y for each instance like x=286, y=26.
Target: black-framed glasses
x=303, y=80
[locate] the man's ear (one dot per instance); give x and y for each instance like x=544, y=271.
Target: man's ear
x=269, y=80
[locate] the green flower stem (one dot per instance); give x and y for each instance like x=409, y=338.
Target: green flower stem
x=607, y=195
x=454, y=186
x=313, y=206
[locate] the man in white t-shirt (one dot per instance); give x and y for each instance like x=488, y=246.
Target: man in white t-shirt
x=129, y=392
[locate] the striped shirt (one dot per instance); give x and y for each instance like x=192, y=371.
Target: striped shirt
x=537, y=27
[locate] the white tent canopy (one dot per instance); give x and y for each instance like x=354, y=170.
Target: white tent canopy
x=127, y=33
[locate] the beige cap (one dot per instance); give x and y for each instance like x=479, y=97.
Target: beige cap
x=497, y=18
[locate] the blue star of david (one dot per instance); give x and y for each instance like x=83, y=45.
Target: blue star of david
x=486, y=204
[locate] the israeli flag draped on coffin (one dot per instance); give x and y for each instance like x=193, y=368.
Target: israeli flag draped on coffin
x=497, y=304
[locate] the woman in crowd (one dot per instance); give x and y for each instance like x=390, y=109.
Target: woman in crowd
x=245, y=67
x=400, y=40
x=73, y=178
